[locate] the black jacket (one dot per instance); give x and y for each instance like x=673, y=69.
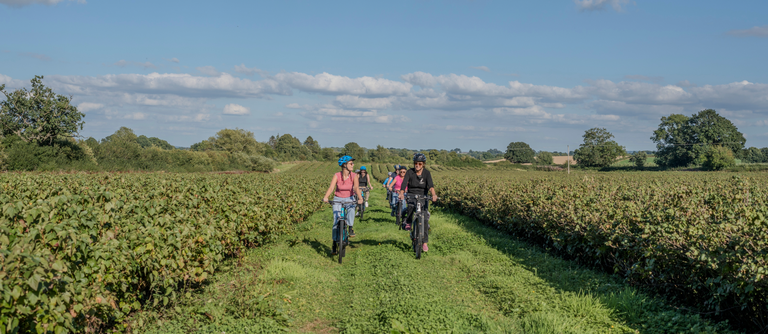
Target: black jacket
x=418, y=185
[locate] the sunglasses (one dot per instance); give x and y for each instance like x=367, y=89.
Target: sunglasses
x=419, y=164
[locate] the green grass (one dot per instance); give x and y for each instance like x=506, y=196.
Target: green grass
x=474, y=279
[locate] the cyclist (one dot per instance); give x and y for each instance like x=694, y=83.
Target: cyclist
x=418, y=181
x=395, y=185
x=345, y=183
x=390, y=177
x=364, y=180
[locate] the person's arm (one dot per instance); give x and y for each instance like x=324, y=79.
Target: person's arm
x=356, y=186
x=431, y=185
x=330, y=188
x=370, y=185
x=406, y=180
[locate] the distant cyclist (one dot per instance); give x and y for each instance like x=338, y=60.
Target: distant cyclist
x=364, y=180
x=395, y=186
x=346, y=184
x=387, y=181
x=418, y=181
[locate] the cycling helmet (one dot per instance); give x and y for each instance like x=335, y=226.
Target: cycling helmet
x=345, y=159
x=402, y=167
x=362, y=168
x=397, y=166
x=419, y=157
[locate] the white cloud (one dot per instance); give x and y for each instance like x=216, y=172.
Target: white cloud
x=753, y=32
x=250, y=71
x=686, y=84
x=482, y=68
x=22, y=3
x=208, y=70
x=236, y=109
x=591, y=5
x=325, y=83
x=88, y=106
x=356, y=102
x=124, y=63
x=168, y=84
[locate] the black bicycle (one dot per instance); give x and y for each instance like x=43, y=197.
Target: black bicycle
x=419, y=223
x=399, y=212
x=342, y=230
x=361, y=207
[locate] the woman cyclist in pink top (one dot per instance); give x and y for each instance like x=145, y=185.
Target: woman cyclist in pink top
x=346, y=183
x=395, y=184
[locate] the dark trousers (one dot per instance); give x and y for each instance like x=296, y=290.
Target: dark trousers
x=410, y=213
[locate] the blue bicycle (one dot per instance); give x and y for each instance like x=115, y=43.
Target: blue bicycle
x=342, y=229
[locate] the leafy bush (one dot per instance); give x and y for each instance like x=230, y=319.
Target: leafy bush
x=638, y=158
x=702, y=238
x=717, y=158
x=81, y=251
x=544, y=158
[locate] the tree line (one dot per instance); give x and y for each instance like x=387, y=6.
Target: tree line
x=704, y=139
x=39, y=131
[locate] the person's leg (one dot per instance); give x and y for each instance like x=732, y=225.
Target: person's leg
x=351, y=219
x=334, y=230
x=409, y=214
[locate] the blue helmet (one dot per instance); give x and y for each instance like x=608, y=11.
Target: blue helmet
x=397, y=167
x=362, y=168
x=345, y=159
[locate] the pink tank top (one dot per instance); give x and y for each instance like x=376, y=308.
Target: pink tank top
x=398, y=183
x=344, y=187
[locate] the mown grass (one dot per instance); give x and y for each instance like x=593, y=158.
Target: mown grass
x=474, y=279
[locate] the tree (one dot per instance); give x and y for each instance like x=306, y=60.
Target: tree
x=353, y=150
x=519, y=152
x=753, y=155
x=236, y=141
x=154, y=141
x=638, y=158
x=718, y=157
x=123, y=134
x=545, y=158
x=682, y=141
x=39, y=115
x=289, y=148
x=598, y=150
x=312, y=145
x=328, y=154
x=380, y=154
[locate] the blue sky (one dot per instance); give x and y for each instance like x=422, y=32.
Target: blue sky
x=417, y=74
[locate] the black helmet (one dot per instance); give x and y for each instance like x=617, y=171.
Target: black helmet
x=419, y=157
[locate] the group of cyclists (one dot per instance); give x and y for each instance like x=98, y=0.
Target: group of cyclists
x=349, y=185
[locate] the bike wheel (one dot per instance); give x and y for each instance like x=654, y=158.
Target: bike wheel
x=419, y=236
x=362, y=210
x=398, y=213
x=340, y=237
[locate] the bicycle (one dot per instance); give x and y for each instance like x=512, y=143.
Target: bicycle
x=418, y=223
x=361, y=207
x=398, y=212
x=342, y=229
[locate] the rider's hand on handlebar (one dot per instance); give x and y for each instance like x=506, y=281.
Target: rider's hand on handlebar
x=434, y=198
x=325, y=199
x=359, y=201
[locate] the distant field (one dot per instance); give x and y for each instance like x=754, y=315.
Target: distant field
x=560, y=160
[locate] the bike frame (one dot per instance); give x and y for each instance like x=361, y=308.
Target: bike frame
x=418, y=224
x=342, y=229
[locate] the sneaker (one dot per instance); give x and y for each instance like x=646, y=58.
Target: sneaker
x=366, y=204
x=425, y=248
x=407, y=227
x=334, y=251
x=351, y=232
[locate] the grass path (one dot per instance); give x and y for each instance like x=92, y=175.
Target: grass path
x=473, y=279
